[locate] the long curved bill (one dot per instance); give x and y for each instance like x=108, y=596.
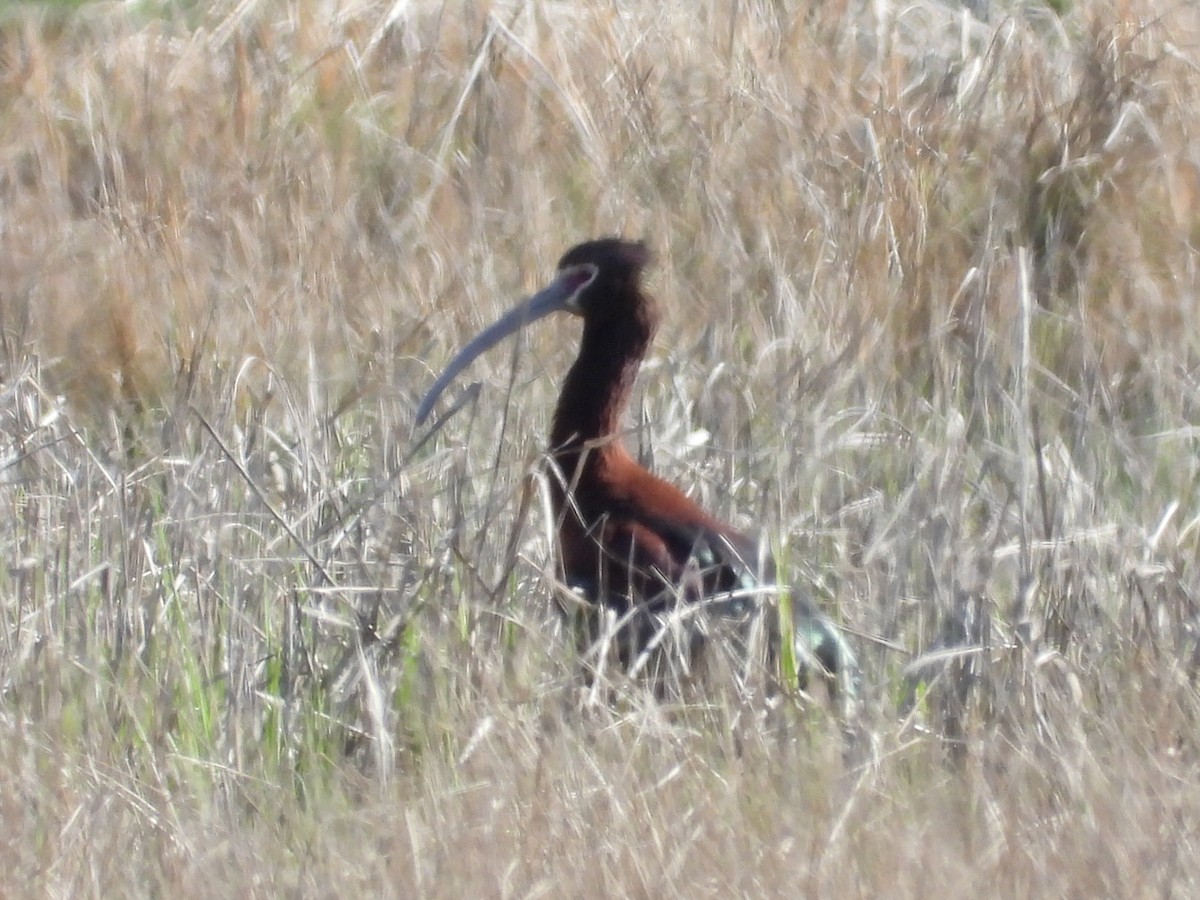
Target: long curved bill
x=559, y=294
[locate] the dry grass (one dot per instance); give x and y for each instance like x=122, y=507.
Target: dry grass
x=930, y=287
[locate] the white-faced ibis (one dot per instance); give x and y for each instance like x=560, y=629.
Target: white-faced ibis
x=629, y=542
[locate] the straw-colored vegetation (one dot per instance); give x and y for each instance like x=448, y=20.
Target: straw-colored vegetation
x=930, y=290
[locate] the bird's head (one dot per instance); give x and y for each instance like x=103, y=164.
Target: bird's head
x=602, y=278
x=599, y=281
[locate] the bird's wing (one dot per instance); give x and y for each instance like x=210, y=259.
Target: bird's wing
x=685, y=543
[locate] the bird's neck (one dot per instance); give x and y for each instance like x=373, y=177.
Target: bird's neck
x=597, y=387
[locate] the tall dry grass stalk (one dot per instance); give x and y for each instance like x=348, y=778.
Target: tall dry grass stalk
x=929, y=287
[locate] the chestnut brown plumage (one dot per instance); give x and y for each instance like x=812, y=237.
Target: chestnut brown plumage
x=629, y=541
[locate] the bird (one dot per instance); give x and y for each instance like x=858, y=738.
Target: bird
x=633, y=548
